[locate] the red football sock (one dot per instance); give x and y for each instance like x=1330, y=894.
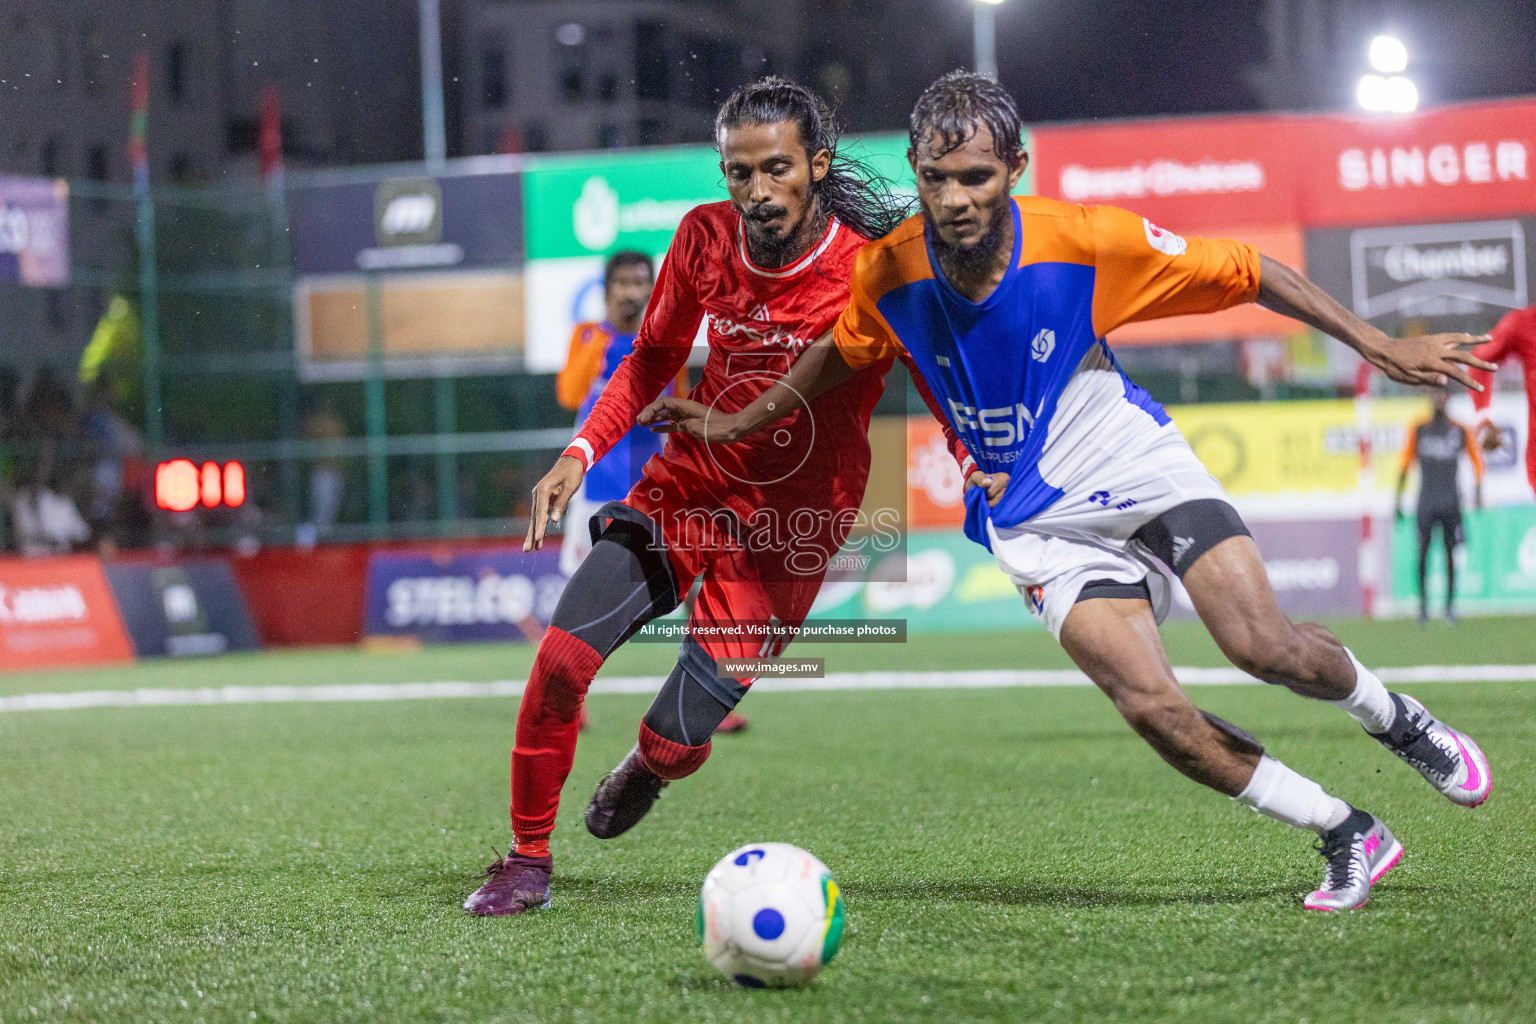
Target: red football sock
x=547, y=723
x=670, y=760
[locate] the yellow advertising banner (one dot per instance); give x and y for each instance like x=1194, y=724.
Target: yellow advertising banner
x=1280, y=447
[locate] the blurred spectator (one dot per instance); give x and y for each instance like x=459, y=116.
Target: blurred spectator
x=115, y=445
x=47, y=522
x=325, y=479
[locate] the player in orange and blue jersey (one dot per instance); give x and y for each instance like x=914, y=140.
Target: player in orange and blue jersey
x=1003, y=305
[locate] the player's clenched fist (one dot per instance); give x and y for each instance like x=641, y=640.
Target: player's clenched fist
x=995, y=483
x=1430, y=360
x=550, y=496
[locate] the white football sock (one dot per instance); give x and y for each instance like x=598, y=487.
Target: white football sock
x=1370, y=705
x=1280, y=793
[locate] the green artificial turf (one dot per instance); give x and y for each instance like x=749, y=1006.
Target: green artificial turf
x=1005, y=854
x=1396, y=642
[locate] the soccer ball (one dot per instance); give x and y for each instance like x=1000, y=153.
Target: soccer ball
x=769, y=916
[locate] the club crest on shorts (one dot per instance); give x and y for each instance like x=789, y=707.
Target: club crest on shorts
x=1164, y=241
x=1036, y=597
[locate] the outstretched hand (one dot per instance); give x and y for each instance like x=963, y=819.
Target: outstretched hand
x=550, y=497
x=995, y=483
x=1430, y=360
x=683, y=416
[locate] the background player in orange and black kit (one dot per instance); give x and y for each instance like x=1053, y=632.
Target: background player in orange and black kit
x=1437, y=445
x=770, y=268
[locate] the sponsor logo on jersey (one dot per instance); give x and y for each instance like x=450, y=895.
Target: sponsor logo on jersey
x=761, y=312
x=768, y=336
x=1164, y=241
x=1001, y=427
x=1044, y=344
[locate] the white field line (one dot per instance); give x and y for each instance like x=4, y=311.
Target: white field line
x=650, y=684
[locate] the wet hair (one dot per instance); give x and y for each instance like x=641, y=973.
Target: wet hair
x=626, y=258
x=953, y=109
x=850, y=191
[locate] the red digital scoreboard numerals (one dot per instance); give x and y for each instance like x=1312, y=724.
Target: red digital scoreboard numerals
x=180, y=485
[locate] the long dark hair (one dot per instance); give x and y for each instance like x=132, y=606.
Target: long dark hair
x=851, y=192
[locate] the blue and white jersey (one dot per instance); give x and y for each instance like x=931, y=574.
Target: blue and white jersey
x=1005, y=370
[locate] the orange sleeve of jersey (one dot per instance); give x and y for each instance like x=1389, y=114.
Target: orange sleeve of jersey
x=1470, y=441
x=1144, y=272
x=861, y=334
x=1411, y=449
x=583, y=362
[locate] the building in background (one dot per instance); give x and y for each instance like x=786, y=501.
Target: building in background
x=541, y=76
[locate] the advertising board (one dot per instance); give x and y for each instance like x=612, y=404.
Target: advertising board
x=489, y=594
x=182, y=608
x=58, y=612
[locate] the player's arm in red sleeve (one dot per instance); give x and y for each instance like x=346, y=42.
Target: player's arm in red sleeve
x=659, y=355
x=1500, y=343
x=660, y=352
x=951, y=439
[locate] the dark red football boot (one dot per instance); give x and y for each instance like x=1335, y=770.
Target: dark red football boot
x=513, y=884
x=732, y=722
x=623, y=797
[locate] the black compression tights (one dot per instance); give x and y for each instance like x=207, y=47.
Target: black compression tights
x=615, y=591
x=611, y=596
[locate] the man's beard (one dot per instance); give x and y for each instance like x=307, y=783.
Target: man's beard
x=966, y=261
x=776, y=250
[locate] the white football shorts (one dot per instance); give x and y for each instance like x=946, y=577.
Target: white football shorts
x=1119, y=469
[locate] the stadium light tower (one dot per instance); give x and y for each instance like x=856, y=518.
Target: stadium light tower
x=984, y=36
x=1386, y=89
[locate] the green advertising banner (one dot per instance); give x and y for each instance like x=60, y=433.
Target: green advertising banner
x=1495, y=570
x=941, y=583
x=580, y=208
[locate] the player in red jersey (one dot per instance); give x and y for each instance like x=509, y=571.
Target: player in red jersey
x=757, y=522
x=1515, y=336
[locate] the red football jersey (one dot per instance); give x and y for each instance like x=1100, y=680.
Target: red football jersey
x=1514, y=336
x=760, y=320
